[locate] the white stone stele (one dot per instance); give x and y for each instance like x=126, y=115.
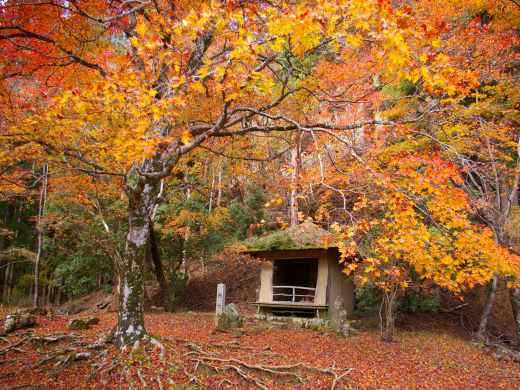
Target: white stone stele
x=221, y=299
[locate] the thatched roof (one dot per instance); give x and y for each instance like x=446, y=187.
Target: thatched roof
x=304, y=236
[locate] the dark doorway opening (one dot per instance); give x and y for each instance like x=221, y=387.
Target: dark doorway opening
x=294, y=280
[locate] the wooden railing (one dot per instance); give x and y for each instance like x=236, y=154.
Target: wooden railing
x=289, y=294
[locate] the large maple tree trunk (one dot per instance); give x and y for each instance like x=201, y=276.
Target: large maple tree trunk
x=130, y=318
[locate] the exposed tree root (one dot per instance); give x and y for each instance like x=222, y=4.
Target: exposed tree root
x=7, y=374
x=53, y=357
x=14, y=346
x=9, y=361
x=255, y=374
x=48, y=342
x=166, y=362
x=158, y=345
x=194, y=379
x=74, y=357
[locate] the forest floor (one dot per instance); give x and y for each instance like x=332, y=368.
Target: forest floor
x=190, y=355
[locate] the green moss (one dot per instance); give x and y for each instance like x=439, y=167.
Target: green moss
x=277, y=240
x=304, y=236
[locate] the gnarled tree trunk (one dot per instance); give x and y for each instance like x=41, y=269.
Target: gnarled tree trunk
x=130, y=319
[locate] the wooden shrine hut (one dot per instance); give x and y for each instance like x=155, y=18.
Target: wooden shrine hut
x=300, y=275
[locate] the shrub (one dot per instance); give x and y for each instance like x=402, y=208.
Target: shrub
x=177, y=288
x=414, y=301
x=368, y=299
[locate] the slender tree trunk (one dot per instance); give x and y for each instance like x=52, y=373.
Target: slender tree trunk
x=4, y=285
x=484, y=317
x=212, y=192
x=45, y=295
x=41, y=208
x=184, y=259
x=49, y=296
x=8, y=221
x=514, y=296
x=10, y=282
x=10, y=269
x=47, y=290
x=4, y=240
x=514, y=293
x=387, y=316
x=5, y=290
x=295, y=175
x=219, y=193
x=57, y=302
x=202, y=265
x=181, y=251
x=158, y=268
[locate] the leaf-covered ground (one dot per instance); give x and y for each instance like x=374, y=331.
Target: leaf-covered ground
x=191, y=354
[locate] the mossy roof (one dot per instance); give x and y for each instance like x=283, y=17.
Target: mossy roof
x=304, y=236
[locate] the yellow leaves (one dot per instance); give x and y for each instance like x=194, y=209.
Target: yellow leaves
x=351, y=267
x=301, y=216
x=277, y=44
x=355, y=40
x=134, y=41
x=397, y=58
x=198, y=87
x=141, y=29
x=180, y=81
x=231, y=96
x=204, y=71
x=220, y=72
x=156, y=113
x=335, y=227
x=361, y=203
x=151, y=45
x=277, y=201
x=187, y=137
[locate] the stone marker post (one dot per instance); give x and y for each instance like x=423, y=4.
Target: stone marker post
x=221, y=300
